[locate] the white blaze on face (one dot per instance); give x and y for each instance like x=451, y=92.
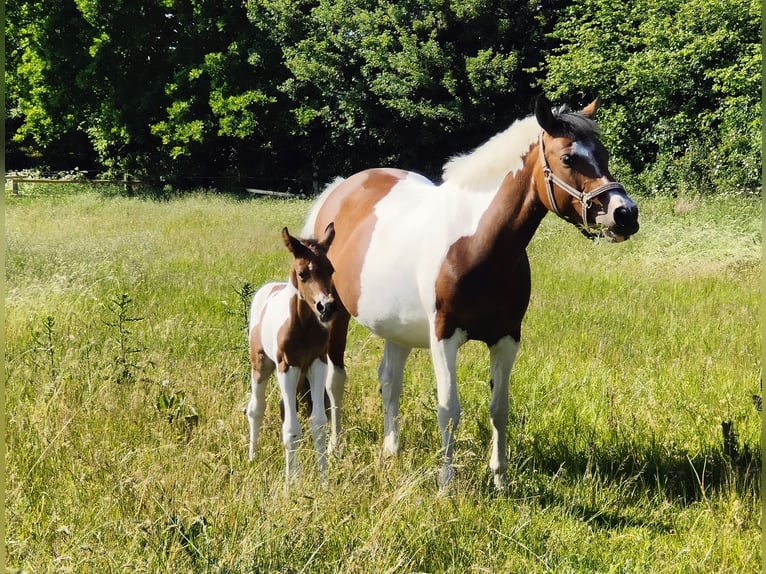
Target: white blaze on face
x=586, y=151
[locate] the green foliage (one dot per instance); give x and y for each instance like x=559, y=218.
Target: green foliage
x=632, y=357
x=681, y=80
x=366, y=75
x=307, y=90
x=119, y=310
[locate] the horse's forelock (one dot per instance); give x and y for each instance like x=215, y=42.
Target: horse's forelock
x=574, y=125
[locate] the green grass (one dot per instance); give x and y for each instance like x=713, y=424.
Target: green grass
x=126, y=441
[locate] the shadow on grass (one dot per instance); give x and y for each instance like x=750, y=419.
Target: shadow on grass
x=676, y=476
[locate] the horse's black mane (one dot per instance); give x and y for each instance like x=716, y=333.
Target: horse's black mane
x=574, y=125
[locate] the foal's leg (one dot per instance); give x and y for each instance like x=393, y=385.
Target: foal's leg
x=335, y=383
x=501, y=358
x=391, y=377
x=444, y=356
x=317, y=375
x=259, y=374
x=291, y=426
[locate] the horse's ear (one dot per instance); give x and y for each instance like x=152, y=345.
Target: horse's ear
x=329, y=235
x=293, y=245
x=544, y=114
x=589, y=111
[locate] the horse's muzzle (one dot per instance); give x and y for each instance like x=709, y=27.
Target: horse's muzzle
x=625, y=220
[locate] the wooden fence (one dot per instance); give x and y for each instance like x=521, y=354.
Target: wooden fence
x=127, y=183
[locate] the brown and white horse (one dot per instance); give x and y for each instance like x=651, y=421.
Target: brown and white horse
x=288, y=331
x=425, y=265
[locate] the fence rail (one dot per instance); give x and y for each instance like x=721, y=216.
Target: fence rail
x=240, y=184
x=127, y=183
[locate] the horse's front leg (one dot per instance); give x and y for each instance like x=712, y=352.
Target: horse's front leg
x=391, y=378
x=317, y=374
x=501, y=358
x=335, y=384
x=291, y=426
x=444, y=356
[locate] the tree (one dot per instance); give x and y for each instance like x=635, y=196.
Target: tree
x=681, y=84
x=405, y=82
x=45, y=58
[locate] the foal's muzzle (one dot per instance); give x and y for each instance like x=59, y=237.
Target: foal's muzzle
x=326, y=310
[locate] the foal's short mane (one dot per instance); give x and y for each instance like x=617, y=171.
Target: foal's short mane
x=486, y=166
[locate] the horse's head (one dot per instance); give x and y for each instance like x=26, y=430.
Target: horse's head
x=311, y=272
x=572, y=176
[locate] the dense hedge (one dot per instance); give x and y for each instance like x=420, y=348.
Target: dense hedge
x=290, y=92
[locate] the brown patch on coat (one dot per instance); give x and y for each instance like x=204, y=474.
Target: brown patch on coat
x=301, y=339
x=351, y=206
x=484, y=283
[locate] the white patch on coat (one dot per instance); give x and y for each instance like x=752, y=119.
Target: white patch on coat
x=417, y=222
x=270, y=310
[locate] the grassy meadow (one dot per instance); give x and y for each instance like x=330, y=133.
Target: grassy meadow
x=127, y=376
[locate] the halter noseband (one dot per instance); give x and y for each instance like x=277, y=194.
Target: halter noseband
x=584, y=198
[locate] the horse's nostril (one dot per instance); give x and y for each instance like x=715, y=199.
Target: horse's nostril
x=320, y=307
x=626, y=216
x=329, y=308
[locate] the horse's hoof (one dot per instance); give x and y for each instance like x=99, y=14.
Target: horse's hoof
x=390, y=447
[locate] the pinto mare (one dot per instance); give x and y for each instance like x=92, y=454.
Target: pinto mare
x=425, y=265
x=288, y=332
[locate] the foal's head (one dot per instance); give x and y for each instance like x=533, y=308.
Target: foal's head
x=311, y=272
x=572, y=175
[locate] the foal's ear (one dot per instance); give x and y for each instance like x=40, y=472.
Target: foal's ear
x=328, y=236
x=544, y=114
x=589, y=111
x=293, y=245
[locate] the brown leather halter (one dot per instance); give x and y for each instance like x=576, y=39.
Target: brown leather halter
x=585, y=198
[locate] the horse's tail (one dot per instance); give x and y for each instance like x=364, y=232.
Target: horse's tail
x=308, y=228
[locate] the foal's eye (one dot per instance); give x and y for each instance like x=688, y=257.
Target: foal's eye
x=303, y=275
x=566, y=159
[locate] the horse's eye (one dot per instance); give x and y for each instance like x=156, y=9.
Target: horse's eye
x=566, y=159
x=303, y=275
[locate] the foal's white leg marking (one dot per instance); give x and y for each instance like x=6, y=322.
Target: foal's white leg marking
x=444, y=356
x=256, y=408
x=335, y=385
x=291, y=427
x=317, y=375
x=391, y=377
x=501, y=358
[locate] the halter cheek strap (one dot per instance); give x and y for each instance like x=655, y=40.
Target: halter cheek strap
x=585, y=198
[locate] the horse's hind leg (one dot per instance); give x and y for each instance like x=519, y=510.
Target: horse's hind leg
x=391, y=378
x=501, y=358
x=335, y=382
x=260, y=372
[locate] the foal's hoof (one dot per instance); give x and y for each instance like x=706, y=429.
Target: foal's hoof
x=501, y=482
x=335, y=448
x=444, y=480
